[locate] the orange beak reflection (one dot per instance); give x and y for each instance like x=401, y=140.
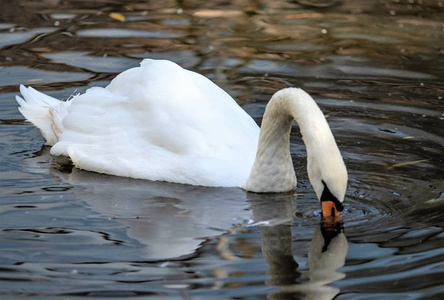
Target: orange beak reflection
x=329, y=211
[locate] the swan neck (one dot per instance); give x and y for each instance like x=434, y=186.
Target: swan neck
x=273, y=169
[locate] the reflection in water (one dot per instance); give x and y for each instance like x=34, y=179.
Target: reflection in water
x=170, y=221
x=327, y=252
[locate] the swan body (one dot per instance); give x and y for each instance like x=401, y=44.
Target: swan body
x=157, y=122
x=161, y=122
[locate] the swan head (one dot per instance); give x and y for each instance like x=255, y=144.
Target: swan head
x=329, y=180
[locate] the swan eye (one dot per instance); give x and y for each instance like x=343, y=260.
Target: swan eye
x=328, y=196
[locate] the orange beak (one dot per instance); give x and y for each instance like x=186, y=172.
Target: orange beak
x=329, y=210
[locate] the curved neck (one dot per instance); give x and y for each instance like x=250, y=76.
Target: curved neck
x=273, y=169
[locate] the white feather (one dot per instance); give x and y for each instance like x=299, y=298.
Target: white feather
x=157, y=122
x=44, y=112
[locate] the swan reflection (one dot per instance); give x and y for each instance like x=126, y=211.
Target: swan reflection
x=327, y=252
x=169, y=221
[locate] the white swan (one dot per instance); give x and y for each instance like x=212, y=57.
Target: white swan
x=162, y=122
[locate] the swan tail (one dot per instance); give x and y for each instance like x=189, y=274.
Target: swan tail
x=45, y=112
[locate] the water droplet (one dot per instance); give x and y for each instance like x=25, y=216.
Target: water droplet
x=177, y=286
x=324, y=31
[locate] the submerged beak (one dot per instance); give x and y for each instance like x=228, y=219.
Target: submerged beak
x=331, y=206
x=329, y=211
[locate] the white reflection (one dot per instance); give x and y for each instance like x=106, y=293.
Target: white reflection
x=327, y=252
x=169, y=220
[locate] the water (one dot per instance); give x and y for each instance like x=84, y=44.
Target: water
x=374, y=67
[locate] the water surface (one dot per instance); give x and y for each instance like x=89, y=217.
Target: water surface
x=374, y=67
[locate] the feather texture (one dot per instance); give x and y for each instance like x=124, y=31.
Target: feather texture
x=157, y=122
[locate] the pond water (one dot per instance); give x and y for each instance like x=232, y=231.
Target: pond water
x=375, y=68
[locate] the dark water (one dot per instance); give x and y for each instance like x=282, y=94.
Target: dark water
x=375, y=68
